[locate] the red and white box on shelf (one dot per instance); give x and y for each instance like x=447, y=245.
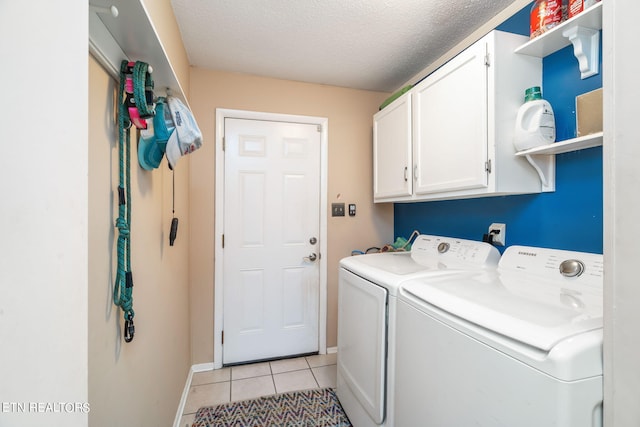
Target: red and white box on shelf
x=545, y=14
x=577, y=6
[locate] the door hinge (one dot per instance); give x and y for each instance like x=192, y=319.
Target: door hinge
x=487, y=60
x=224, y=144
x=223, y=241
x=222, y=337
x=319, y=128
x=487, y=166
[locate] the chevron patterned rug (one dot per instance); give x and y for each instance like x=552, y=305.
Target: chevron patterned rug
x=308, y=408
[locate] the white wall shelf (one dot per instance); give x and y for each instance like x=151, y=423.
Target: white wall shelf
x=583, y=31
x=574, y=144
x=553, y=40
x=131, y=35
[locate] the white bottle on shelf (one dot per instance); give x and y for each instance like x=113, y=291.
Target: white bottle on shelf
x=535, y=122
x=535, y=126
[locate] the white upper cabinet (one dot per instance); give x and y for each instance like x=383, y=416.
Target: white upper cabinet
x=392, y=166
x=461, y=128
x=450, y=125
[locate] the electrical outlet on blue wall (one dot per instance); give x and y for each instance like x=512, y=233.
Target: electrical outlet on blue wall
x=569, y=218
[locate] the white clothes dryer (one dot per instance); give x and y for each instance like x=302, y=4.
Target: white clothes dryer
x=368, y=285
x=519, y=346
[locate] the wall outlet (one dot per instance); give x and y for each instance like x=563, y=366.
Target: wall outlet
x=337, y=209
x=498, y=233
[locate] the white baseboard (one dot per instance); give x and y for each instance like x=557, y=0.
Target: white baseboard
x=201, y=367
x=331, y=350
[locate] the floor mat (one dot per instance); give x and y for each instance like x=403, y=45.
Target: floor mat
x=307, y=408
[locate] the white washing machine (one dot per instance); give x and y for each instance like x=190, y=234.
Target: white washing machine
x=519, y=346
x=367, y=292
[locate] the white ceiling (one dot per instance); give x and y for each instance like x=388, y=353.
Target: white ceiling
x=364, y=44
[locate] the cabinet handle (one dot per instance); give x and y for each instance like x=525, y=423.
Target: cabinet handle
x=415, y=172
x=405, y=174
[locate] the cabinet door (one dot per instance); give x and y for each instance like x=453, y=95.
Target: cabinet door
x=450, y=125
x=392, y=150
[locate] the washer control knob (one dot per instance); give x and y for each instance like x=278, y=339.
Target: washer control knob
x=571, y=268
x=443, y=247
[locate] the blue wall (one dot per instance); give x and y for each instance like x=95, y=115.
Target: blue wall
x=569, y=218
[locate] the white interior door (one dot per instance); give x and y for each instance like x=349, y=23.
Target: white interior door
x=271, y=239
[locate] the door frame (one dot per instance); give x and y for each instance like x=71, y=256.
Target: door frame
x=218, y=292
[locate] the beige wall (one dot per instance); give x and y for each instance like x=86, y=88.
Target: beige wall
x=142, y=381
x=350, y=178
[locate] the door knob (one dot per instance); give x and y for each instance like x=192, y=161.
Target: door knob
x=311, y=258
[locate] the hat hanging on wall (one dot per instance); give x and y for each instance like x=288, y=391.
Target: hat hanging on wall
x=189, y=137
x=154, y=139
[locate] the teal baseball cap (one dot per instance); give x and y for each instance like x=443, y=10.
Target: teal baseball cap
x=153, y=142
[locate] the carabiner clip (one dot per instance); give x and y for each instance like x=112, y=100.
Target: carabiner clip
x=129, y=329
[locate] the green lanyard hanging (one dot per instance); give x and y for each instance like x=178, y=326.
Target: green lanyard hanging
x=123, y=287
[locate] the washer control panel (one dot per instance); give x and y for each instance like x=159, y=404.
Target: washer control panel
x=554, y=264
x=451, y=250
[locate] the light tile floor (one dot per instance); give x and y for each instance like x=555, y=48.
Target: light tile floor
x=242, y=382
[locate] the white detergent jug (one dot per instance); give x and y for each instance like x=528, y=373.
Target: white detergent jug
x=535, y=122
x=535, y=126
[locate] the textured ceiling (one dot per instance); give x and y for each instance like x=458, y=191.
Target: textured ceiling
x=363, y=44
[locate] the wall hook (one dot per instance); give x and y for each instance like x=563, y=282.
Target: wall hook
x=113, y=11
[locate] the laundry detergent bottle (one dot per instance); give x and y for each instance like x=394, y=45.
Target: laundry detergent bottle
x=535, y=122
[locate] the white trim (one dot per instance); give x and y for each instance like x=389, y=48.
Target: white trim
x=621, y=210
x=183, y=399
x=201, y=367
x=131, y=35
x=103, y=47
x=221, y=114
x=332, y=350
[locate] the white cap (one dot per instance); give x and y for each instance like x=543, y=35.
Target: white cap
x=189, y=137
